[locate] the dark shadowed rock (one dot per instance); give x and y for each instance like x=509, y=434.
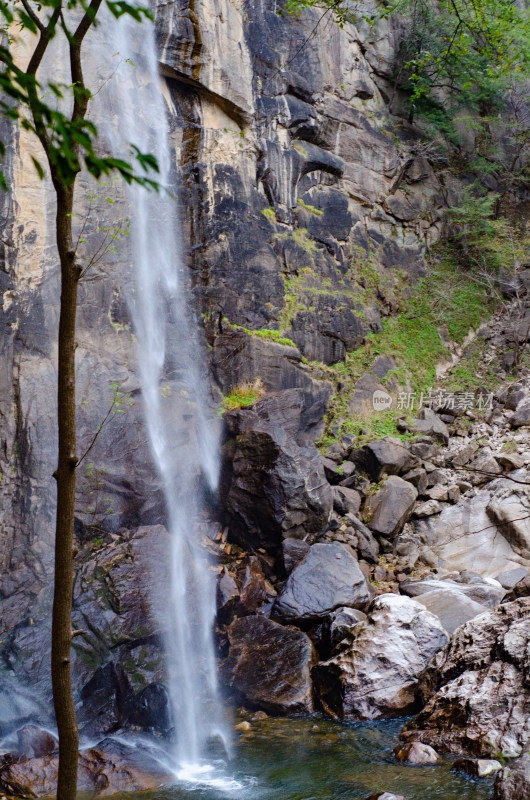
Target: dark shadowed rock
x=388, y=456
x=271, y=487
x=329, y=577
x=269, y=666
x=242, y=590
x=476, y=689
x=388, y=509
x=416, y=753
x=367, y=544
x=339, y=624
x=293, y=550
x=513, y=782
x=376, y=675
x=150, y=709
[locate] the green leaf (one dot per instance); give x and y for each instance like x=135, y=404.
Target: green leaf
x=38, y=167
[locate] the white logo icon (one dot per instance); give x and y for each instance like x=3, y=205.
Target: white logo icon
x=381, y=400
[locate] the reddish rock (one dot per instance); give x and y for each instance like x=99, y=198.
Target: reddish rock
x=109, y=769
x=269, y=665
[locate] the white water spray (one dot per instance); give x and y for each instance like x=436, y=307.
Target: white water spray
x=183, y=444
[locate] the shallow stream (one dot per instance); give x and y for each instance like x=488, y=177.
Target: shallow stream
x=317, y=759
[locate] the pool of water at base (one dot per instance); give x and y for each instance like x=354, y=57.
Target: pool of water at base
x=317, y=759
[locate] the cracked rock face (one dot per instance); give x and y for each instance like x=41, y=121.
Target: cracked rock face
x=375, y=675
x=476, y=689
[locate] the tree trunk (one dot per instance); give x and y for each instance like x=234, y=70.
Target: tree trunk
x=66, y=479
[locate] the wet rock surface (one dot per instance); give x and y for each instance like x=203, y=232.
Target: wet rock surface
x=107, y=769
x=514, y=780
x=475, y=690
x=269, y=665
x=328, y=577
x=376, y=674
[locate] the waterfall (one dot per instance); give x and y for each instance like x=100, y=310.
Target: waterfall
x=182, y=435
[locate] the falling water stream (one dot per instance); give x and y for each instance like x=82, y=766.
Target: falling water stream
x=182, y=435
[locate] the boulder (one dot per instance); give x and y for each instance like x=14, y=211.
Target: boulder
x=271, y=487
x=427, y=509
x=486, y=593
x=328, y=577
x=513, y=782
x=331, y=471
x=430, y=424
x=463, y=455
x=416, y=753
x=388, y=509
x=509, y=509
x=388, y=456
x=451, y=607
x=346, y=500
x=385, y=796
x=269, y=666
x=367, y=544
x=478, y=767
x=475, y=690
x=521, y=415
x=376, y=674
x=293, y=551
x=463, y=537
x=483, y=468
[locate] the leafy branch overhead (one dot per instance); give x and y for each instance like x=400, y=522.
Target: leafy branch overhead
x=68, y=138
x=452, y=45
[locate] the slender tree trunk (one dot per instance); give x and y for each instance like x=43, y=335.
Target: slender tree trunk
x=66, y=479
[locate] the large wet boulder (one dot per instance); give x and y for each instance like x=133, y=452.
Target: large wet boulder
x=377, y=673
x=475, y=690
x=269, y=665
x=271, y=486
x=328, y=577
x=388, y=509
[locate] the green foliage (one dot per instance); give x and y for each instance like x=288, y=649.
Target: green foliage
x=243, y=396
x=462, y=46
x=69, y=140
x=264, y=333
x=448, y=297
x=317, y=211
x=270, y=214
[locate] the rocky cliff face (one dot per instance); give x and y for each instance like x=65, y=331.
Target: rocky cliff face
x=307, y=208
